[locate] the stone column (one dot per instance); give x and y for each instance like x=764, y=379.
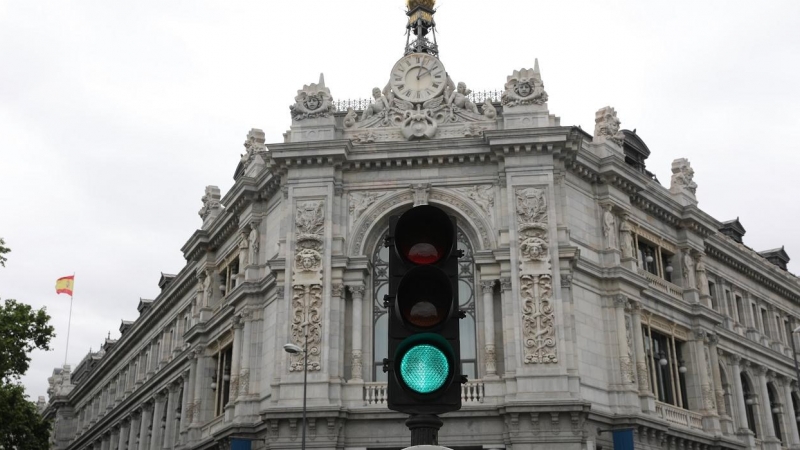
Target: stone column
x=739, y=392
x=646, y=396
x=114, y=441
x=790, y=424
x=198, y=370
x=719, y=391
x=133, y=431
x=144, y=426
x=487, y=287
x=105, y=442
x=357, y=367
x=186, y=402
x=158, y=412
x=124, y=435
x=625, y=363
x=244, y=364
x=765, y=409
x=169, y=429
x=510, y=348
x=236, y=355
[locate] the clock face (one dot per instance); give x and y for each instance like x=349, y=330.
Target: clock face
x=418, y=77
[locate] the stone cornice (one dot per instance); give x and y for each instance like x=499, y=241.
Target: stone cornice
x=560, y=141
x=315, y=153
x=724, y=249
x=419, y=154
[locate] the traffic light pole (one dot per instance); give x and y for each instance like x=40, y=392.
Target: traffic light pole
x=424, y=429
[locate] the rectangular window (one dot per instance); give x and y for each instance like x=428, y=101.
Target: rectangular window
x=664, y=359
x=712, y=293
x=740, y=310
x=647, y=257
x=227, y=277
x=221, y=380
x=765, y=323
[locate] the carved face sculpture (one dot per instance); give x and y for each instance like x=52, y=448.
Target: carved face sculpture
x=462, y=88
x=312, y=102
x=524, y=89
x=376, y=93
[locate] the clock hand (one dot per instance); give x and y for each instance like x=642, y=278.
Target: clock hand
x=419, y=75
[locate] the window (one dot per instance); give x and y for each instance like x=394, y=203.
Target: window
x=713, y=295
x=755, y=316
x=466, y=297
x=647, y=259
x=765, y=322
x=774, y=409
x=221, y=379
x=740, y=310
x=655, y=259
x=227, y=275
x=665, y=361
x=749, y=401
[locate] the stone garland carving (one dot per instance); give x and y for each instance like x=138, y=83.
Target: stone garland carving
x=313, y=101
x=244, y=382
x=607, y=126
x=711, y=399
x=524, y=87
x=682, y=177
x=482, y=195
x=628, y=370
x=360, y=201
x=536, y=286
x=307, y=284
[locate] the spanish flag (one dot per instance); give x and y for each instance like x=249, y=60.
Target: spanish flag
x=64, y=285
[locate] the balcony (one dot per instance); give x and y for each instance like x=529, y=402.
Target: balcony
x=662, y=285
x=679, y=416
x=471, y=392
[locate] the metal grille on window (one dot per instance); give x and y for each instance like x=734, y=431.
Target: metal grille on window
x=466, y=296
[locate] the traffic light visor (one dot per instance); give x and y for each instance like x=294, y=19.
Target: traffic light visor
x=424, y=235
x=424, y=298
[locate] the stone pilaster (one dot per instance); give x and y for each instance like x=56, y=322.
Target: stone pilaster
x=169, y=429
x=646, y=396
x=134, y=430
x=144, y=426
x=790, y=424
x=157, y=432
x=625, y=361
x=490, y=358
x=358, y=306
x=769, y=441
x=186, y=401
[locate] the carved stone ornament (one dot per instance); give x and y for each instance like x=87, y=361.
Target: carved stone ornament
x=307, y=283
x=626, y=241
x=307, y=313
x=253, y=241
x=606, y=125
x=210, y=201
x=610, y=229
x=253, y=145
x=688, y=265
x=538, y=319
x=421, y=193
x=682, y=177
x=532, y=222
x=313, y=101
x=482, y=195
x=489, y=111
x=360, y=201
x=702, y=277
x=350, y=118
x=524, y=87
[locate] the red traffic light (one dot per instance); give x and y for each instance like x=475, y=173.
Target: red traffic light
x=424, y=235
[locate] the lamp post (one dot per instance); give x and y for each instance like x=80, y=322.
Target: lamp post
x=294, y=349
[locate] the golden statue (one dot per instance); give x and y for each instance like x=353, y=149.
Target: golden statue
x=411, y=4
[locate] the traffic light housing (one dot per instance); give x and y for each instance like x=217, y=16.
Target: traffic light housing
x=424, y=362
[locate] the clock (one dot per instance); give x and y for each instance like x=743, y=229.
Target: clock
x=418, y=77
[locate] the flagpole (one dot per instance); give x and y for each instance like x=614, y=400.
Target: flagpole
x=69, y=323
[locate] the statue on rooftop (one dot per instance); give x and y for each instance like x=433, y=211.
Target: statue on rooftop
x=682, y=177
x=459, y=98
x=379, y=108
x=606, y=125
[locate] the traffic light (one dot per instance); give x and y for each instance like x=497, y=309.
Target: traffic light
x=424, y=362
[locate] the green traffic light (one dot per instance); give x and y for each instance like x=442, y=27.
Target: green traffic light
x=424, y=368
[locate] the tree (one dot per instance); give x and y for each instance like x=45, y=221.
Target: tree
x=21, y=331
x=3, y=250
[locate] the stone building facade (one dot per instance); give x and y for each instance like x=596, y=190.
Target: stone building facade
x=596, y=298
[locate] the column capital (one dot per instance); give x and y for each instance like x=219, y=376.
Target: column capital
x=174, y=387
x=699, y=334
x=759, y=369
x=357, y=290
x=236, y=321
x=566, y=280
x=505, y=284
x=735, y=359
x=620, y=301
x=487, y=287
x=337, y=290
x=713, y=339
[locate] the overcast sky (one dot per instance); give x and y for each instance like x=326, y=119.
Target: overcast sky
x=114, y=116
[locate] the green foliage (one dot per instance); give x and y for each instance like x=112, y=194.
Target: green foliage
x=21, y=426
x=23, y=330
x=3, y=251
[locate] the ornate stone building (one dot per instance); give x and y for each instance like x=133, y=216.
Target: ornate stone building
x=596, y=298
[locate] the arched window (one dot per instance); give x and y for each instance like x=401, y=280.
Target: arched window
x=749, y=401
x=775, y=409
x=466, y=297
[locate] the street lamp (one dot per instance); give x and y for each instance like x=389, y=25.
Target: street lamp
x=294, y=349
